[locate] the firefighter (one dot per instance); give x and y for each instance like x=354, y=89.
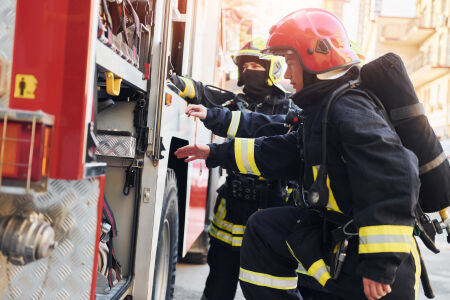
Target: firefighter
x=259, y=75
x=360, y=185
x=242, y=194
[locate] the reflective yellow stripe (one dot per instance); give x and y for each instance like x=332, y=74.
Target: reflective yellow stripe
x=221, y=210
x=244, y=153
x=386, y=230
x=300, y=269
x=232, y=228
x=332, y=204
x=238, y=156
x=234, y=124
x=248, y=52
x=219, y=216
x=189, y=90
x=416, y=256
x=251, y=157
x=261, y=279
x=385, y=238
x=225, y=237
x=289, y=192
x=319, y=271
x=292, y=253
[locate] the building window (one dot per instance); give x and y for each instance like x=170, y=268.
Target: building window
x=442, y=53
x=440, y=98
x=448, y=48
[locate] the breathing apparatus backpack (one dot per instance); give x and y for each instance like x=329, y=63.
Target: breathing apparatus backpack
x=385, y=81
x=387, y=78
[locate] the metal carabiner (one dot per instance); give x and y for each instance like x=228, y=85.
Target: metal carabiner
x=339, y=258
x=344, y=229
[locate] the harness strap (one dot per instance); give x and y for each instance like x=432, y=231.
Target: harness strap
x=406, y=112
x=433, y=164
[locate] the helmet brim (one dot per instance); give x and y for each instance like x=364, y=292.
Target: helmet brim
x=284, y=50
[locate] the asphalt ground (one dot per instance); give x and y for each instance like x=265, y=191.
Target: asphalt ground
x=191, y=279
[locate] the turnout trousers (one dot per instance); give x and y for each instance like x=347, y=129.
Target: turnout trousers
x=269, y=264
x=226, y=233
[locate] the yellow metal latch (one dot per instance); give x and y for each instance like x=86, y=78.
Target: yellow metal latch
x=112, y=84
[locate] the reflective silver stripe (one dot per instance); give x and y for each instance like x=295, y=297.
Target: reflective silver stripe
x=225, y=236
x=319, y=270
x=301, y=269
x=261, y=279
x=222, y=211
x=244, y=152
x=385, y=238
x=388, y=238
x=219, y=220
x=234, y=229
x=234, y=124
x=433, y=164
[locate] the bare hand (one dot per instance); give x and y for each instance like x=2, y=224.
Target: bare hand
x=193, y=152
x=375, y=290
x=196, y=110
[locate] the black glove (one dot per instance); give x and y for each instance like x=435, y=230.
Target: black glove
x=184, y=87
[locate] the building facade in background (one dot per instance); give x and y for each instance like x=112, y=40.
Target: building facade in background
x=368, y=11
x=423, y=42
x=335, y=6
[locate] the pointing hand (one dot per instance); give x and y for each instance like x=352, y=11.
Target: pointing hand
x=193, y=152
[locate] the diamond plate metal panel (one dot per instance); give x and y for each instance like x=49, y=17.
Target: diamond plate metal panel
x=115, y=145
x=71, y=208
x=7, y=21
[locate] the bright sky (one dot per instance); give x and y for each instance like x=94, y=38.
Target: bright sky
x=283, y=8
x=389, y=8
x=403, y=8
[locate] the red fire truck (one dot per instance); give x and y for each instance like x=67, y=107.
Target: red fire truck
x=88, y=129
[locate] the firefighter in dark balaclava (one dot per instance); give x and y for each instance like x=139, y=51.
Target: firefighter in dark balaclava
x=258, y=74
x=360, y=185
x=242, y=194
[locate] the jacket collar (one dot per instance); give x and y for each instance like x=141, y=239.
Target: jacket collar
x=313, y=95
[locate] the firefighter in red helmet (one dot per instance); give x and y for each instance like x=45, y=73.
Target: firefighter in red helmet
x=359, y=184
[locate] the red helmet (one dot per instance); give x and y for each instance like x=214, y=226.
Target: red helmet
x=317, y=36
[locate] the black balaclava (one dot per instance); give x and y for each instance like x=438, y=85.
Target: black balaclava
x=255, y=84
x=254, y=81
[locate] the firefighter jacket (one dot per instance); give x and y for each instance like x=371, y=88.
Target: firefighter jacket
x=226, y=123
x=195, y=92
x=242, y=195
x=372, y=178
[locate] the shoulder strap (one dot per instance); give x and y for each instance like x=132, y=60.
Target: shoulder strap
x=336, y=95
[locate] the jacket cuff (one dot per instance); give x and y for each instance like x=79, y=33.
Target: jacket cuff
x=209, y=117
x=211, y=161
x=379, y=270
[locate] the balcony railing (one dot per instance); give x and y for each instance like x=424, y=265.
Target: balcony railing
x=422, y=60
x=426, y=67
x=406, y=32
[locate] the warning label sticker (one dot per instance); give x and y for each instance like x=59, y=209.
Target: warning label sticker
x=25, y=86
